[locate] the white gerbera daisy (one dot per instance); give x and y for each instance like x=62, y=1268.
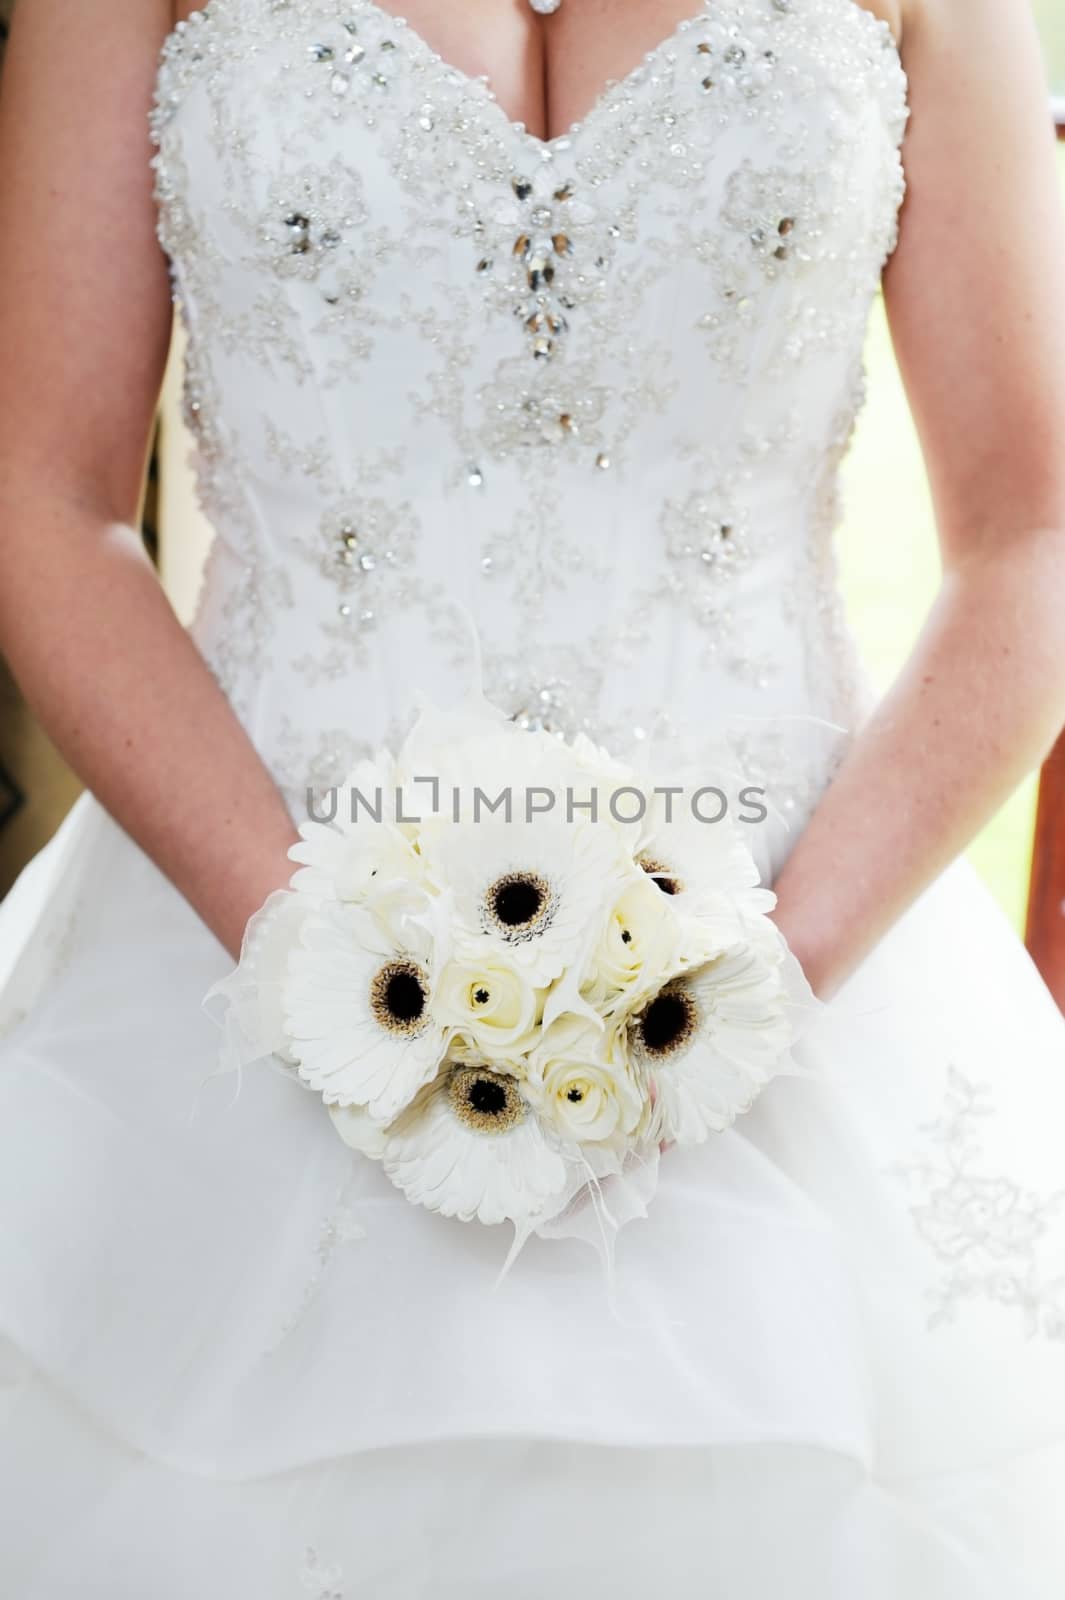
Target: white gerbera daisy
x=475, y=747
x=621, y=794
x=529, y=889
x=358, y=1008
x=705, y=868
x=364, y=847
x=470, y=1146
x=710, y=1040
x=581, y=1083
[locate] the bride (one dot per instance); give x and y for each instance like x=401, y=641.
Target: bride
x=548, y=318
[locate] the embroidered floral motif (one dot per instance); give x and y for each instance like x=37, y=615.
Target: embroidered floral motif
x=995, y=1240
x=442, y=372
x=340, y=1227
x=523, y=407
x=313, y=217
x=776, y=214
x=307, y=766
x=318, y=1581
x=707, y=538
x=362, y=544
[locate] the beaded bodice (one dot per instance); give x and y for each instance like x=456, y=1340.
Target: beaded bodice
x=581, y=401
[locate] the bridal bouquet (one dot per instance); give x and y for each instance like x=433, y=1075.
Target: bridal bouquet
x=512, y=973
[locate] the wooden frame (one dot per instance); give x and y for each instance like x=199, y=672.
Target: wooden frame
x=1045, y=935
x=1045, y=932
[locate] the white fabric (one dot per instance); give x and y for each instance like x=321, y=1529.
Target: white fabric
x=239, y=1363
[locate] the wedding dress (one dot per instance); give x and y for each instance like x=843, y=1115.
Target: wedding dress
x=564, y=418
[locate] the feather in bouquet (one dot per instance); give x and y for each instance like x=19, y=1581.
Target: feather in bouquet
x=512, y=972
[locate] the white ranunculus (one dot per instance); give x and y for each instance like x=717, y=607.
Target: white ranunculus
x=580, y=1081
x=490, y=1002
x=639, y=947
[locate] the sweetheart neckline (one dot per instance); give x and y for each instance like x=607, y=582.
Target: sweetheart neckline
x=480, y=84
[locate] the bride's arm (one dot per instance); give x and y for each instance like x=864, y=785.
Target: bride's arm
x=84, y=327
x=975, y=295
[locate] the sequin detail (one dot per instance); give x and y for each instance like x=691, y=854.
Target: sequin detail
x=587, y=396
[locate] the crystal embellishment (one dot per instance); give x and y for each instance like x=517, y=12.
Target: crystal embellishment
x=440, y=368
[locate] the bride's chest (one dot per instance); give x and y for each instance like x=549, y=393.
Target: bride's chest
x=323, y=140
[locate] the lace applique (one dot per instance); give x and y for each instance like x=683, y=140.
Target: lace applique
x=340, y=1227
x=363, y=545
x=308, y=765
x=814, y=604
x=708, y=542
x=590, y=392
x=564, y=691
x=558, y=696
x=775, y=213
x=318, y=1581
x=791, y=763
x=522, y=408
x=237, y=638
x=314, y=220
x=542, y=239
x=994, y=1239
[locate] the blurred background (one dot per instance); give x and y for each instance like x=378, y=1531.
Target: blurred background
x=887, y=550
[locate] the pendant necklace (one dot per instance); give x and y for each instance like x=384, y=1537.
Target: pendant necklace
x=545, y=7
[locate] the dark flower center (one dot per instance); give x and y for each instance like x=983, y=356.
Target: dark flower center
x=667, y=881
x=518, y=905
x=485, y=1101
x=488, y=1097
x=668, y=1022
x=516, y=900
x=399, y=997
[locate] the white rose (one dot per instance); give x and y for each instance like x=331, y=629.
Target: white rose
x=580, y=1081
x=640, y=943
x=491, y=1003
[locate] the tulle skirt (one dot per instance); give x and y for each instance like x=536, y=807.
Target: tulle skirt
x=239, y=1363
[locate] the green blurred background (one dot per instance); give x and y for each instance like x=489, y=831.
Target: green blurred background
x=1050, y=16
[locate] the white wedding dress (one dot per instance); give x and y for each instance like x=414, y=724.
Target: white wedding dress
x=566, y=417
